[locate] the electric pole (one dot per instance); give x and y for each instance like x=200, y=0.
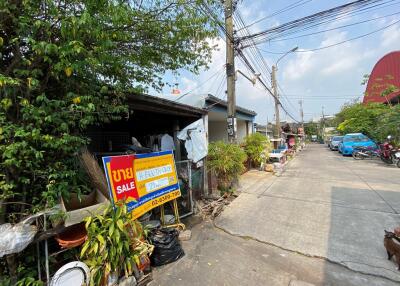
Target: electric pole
x=301, y=114
x=303, y=132
x=276, y=98
x=230, y=71
x=323, y=123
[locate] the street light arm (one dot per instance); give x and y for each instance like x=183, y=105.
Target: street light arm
x=284, y=55
x=253, y=80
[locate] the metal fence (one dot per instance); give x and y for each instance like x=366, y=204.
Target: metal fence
x=191, y=183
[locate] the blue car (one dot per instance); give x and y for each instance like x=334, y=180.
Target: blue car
x=354, y=139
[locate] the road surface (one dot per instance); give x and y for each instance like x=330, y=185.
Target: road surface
x=324, y=205
x=320, y=223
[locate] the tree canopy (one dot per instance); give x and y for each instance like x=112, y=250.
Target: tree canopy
x=66, y=65
x=375, y=120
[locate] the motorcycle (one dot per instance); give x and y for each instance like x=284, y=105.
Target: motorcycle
x=389, y=154
x=361, y=153
x=397, y=158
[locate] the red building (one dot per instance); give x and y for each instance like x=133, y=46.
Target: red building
x=385, y=76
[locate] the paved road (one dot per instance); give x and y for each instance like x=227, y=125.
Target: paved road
x=324, y=205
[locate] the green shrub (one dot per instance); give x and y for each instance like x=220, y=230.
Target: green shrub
x=226, y=161
x=113, y=245
x=257, y=148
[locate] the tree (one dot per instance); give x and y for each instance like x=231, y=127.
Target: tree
x=227, y=162
x=66, y=65
x=257, y=147
x=376, y=120
x=311, y=128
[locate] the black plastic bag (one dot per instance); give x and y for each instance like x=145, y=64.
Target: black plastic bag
x=167, y=247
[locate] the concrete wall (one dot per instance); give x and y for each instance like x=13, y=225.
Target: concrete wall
x=241, y=130
x=217, y=130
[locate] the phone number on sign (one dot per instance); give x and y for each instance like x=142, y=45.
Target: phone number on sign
x=165, y=198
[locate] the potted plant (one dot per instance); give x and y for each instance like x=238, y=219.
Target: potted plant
x=226, y=161
x=257, y=148
x=114, y=245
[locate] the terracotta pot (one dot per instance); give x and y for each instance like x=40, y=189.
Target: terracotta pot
x=73, y=236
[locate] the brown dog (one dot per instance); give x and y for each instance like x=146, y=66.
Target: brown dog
x=392, y=247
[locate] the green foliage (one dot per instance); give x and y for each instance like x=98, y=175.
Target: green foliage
x=226, y=160
x=111, y=243
x=375, y=120
x=67, y=65
x=29, y=281
x=257, y=147
x=311, y=128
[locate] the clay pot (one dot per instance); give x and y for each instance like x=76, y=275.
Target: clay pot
x=73, y=236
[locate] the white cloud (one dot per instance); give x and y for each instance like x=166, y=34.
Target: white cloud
x=325, y=73
x=391, y=36
x=299, y=67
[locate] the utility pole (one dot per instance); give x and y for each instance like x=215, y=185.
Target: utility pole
x=276, y=95
x=323, y=123
x=276, y=98
x=301, y=114
x=303, y=133
x=230, y=71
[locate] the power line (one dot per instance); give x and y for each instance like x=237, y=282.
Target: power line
x=220, y=86
x=314, y=19
x=338, y=43
x=257, y=59
x=285, y=9
x=254, y=54
x=201, y=84
x=352, y=13
x=282, y=93
x=332, y=29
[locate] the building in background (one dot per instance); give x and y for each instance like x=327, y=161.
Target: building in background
x=264, y=130
x=384, y=81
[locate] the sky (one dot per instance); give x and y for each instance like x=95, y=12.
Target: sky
x=324, y=79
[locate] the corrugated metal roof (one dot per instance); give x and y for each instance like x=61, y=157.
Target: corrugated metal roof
x=386, y=72
x=151, y=103
x=212, y=100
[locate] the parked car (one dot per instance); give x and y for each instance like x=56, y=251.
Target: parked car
x=334, y=144
x=354, y=139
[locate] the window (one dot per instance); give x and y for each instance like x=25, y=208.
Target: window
x=338, y=138
x=356, y=138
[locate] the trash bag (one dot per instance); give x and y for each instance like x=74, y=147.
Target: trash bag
x=15, y=238
x=167, y=247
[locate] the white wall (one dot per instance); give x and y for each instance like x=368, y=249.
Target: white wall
x=217, y=131
x=241, y=130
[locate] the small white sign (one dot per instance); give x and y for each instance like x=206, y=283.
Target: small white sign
x=157, y=184
x=152, y=173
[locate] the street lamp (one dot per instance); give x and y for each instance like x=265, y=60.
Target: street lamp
x=285, y=54
x=275, y=90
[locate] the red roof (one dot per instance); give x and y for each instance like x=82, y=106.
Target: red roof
x=385, y=73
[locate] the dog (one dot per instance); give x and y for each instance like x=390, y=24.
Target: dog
x=392, y=247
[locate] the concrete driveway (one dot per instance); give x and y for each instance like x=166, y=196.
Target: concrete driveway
x=324, y=205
